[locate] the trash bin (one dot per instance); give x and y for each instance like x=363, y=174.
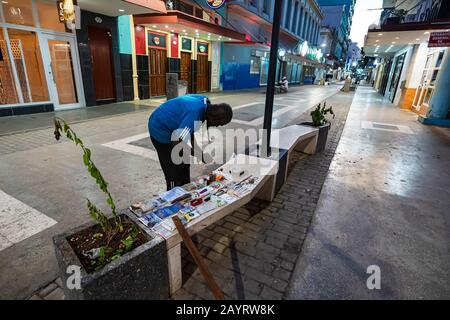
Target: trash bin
x=182, y=87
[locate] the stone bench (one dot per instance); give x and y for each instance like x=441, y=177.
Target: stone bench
x=294, y=138
x=264, y=169
x=272, y=173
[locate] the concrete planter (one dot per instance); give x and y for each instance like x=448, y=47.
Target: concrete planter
x=323, y=135
x=139, y=274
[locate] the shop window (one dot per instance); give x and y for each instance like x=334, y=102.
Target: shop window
x=19, y=12
x=8, y=92
x=186, y=44
x=266, y=7
x=184, y=7
x=48, y=16
x=428, y=95
x=264, y=71
x=254, y=65
x=288, y=15
x=439, y=59
x=28, y=61
x=199, y=13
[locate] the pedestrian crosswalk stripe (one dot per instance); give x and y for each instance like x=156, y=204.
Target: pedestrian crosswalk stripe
x=18, y=221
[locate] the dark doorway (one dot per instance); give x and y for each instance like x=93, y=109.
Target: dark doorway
x=185, y=68
x=100, y=45
x=398, y=67
x=202, y=73
x=157, y=68
x=387, y=70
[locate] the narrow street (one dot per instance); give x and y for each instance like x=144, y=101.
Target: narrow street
x=47, y=180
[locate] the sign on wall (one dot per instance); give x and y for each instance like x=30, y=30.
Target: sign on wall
x=215, y=4
x=186, y=44
x=156, y=40
x=202, y=48
x=439, y=39
x=69, y=13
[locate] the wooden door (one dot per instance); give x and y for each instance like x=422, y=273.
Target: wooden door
x=100, y=44
x=185, y=68
x=158, y=67
x=202, y=73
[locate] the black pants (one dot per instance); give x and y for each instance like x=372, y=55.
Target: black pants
x=175, y=174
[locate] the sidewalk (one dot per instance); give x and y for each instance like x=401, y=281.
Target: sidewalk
x=385, y=202
x=262, y=240
x=253, y=251
x=29, y=122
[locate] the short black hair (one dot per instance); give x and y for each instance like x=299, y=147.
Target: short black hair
x=222, y=111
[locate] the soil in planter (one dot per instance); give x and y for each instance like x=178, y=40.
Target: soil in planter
x=90, y=238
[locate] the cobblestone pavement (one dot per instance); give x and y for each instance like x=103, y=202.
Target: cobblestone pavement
x=253, y=251
x=52, y=291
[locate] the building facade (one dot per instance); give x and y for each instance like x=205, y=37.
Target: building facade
x=187, y=40
x=47, y=64
x=412, y=67
x=353, y=56
x=335, y=32
x=300, y=60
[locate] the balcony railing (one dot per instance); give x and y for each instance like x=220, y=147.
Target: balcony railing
x=420, y=11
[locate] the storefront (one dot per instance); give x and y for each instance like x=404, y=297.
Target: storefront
x=178, y=42
x=429, y=75
x=39, y=64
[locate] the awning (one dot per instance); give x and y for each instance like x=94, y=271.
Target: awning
x=123, y=7
x=381, y=42
x=262, y=22
x=184, y=24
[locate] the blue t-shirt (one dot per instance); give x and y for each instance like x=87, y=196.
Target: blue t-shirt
x=178, y=114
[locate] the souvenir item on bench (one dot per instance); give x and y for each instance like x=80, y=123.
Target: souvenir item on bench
x=168, y=224
x=173, y=194
x=237, y=172
x=168, y=211
x=228, y=198
x=196, y=202
x=191, y=215
x=218, y=200
x=182, y=198
x=206, y=206
x=163, y=232
x=150, y=220
x=142, y=207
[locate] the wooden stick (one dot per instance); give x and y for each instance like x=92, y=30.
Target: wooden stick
x=212, y=284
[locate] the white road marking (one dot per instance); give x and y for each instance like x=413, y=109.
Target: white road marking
x=123, y=145
x=19, y=221
x=401, y=129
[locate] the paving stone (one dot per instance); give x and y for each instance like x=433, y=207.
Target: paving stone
x=48, y=289
x=59, y=283
x=252, y=286
x=287, y=265
x=260, y=243
x=235, y=220
x=270, y=294
x=281, y=274
x=35, y=297
x=57, y=294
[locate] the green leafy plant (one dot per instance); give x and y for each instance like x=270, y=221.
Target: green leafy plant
x=110, y=230
x=318, y=115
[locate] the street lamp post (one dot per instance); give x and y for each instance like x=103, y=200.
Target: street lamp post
x=271, y=78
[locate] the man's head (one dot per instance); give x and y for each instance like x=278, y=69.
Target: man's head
x=218, y=114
